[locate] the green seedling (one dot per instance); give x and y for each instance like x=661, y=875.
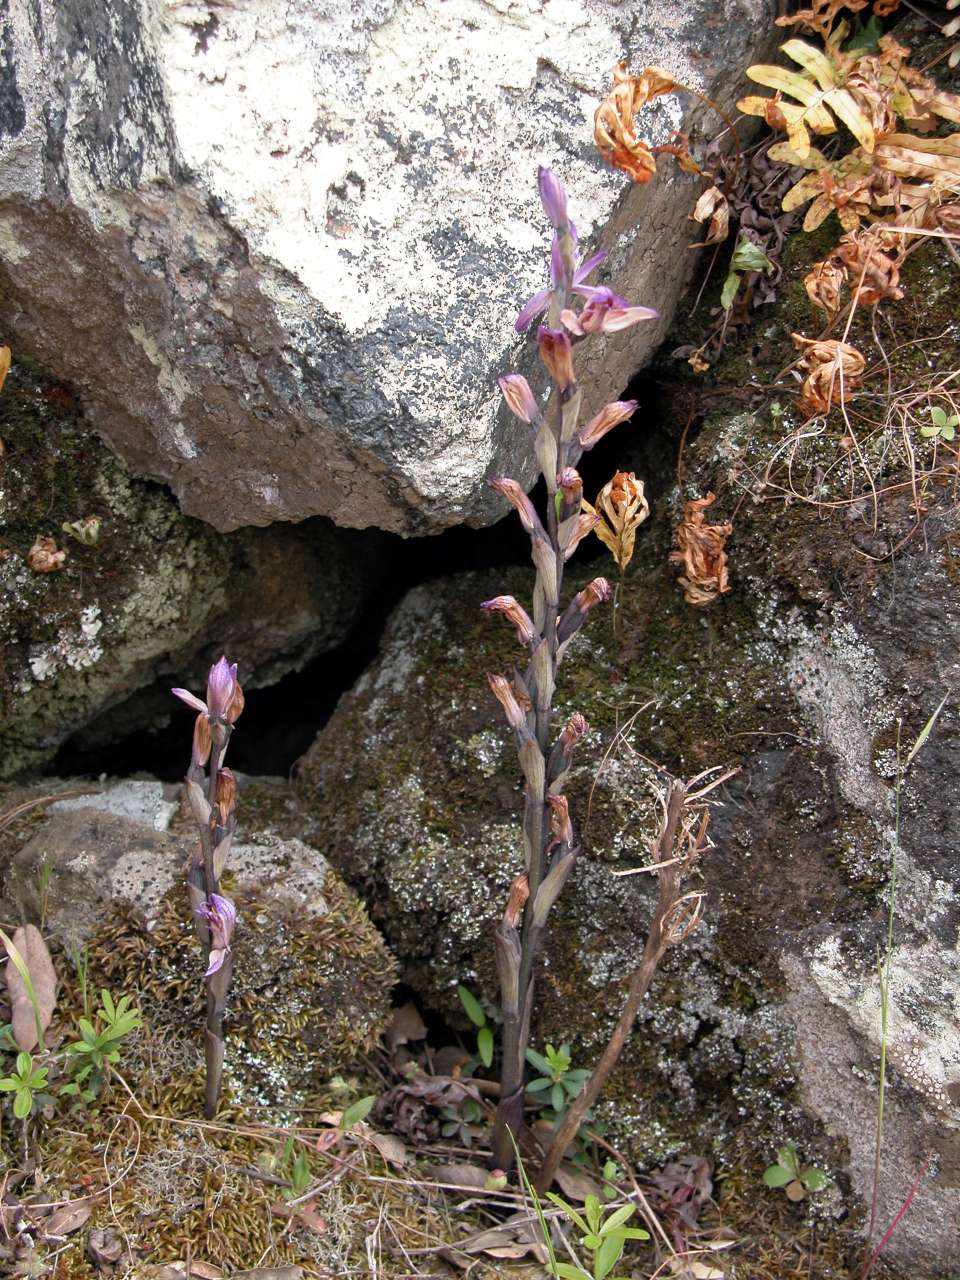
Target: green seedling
x=99, y=1045
x=796, y=1180
x=26, y=1082
x=462, y=1121
x=605, y=1235
x=746, y=257
x=357, y=1111
x=474, y=1011
x=556, y=1076
x=296, y=1170
x=941, y=427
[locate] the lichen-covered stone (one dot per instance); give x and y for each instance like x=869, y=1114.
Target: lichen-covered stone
x=280, y=246
x=159, y=595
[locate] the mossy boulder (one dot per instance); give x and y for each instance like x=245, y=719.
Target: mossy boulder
x=156, y=597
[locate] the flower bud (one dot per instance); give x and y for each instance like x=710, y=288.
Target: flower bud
x=519, y=893
x=226, y=794
x=557, y=355
x=594, y=593
x=502, y=691
x=561, y=828
x=552, y=196
x=202, y=741
x=608, y=417
x=221, y=686
x=570, y=485
x=515, y=612
x=520, y=399
x=587, y=521
x=515, y=495
x=574, y=731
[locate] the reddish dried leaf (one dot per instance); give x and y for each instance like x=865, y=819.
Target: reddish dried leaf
x=32, y=948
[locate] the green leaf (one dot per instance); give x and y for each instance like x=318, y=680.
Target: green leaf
x=938, y=416
x=485, y=1045
x=729, y=290
x=634, y=1233
x=357, y=1112
x=556, y=1097
x=926, y=730
x=592, y=1242
x=24, y=1064
x=814, y=1179
x=568, y=1272
x=747, y=257
x=569, y=1210
x=867, y=39
x=471, y=1007
x=929, y=432
x=106, y=999
x=538, y=1085
x=22, y=1102
x=777, y=1176
x=619, y=1217
x=947, y=432
x=8, y=1084
x=607, y=1256
x=591, y=1207
x=68, y=1089
x=539, y=1061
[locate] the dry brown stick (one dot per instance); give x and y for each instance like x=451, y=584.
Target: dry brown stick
x=658, y=940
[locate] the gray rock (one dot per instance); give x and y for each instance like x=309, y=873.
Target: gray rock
x=280, y=247
x=145, y=803
x=158, y=598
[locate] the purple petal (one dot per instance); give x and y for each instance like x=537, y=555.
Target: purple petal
x=624, y=317
x=221, y=684
x=226, y=911
x=553, y=196
x=531, y=309
x=600, y=293
x=589, y=265
x=186, y=696
x=217, y=957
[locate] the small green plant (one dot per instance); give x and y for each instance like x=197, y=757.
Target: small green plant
x=474, y=1011
x=25, y=1084
x=788, y=1173
x=555, y=1074
x=463, y=1121
x=44, y=876
x=746, y=257
x=86, y=531
x=941, y=427
x=357, y=1111
x=98, y=1045
x=605, y=1238
x=295, y=1169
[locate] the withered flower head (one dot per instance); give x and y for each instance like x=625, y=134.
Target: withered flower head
x=622, y=507
x=610, y=416
x=702, y=554
x=614, y=128
x=573, y=732
x=561, y=828
x=510, y=608
x=515, y=495
x=570, y=485
x=557, y=355
x=520, y=399
x=504, y=694
x=43, y=556
x=516, y=900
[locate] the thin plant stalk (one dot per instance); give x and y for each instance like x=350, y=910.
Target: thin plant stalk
x=558, y=441
x=667, y=927
x=884, y=976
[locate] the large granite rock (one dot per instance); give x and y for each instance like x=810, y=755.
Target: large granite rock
x=280, y=246
x=158, y=597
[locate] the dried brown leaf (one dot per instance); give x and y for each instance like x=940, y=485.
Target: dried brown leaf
x=390, y=1148
x=63, y=1222
x=32, y=948
x=712, y=204
x=702, y=554
x=823, y=284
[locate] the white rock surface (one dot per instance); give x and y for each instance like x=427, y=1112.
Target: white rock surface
x=280, y=245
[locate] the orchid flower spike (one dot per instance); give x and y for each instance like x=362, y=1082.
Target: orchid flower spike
x=224, y=696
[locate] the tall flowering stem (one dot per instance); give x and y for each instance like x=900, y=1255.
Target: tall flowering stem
x=558, y=440
x=211, y=793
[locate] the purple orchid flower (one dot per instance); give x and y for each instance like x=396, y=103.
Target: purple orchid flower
x=220, y=915
x=553, y=196
x=222, y=688
x=540, y=301
x=605, y=312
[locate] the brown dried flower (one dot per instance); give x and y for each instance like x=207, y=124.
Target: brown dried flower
x=43, y=556
x=833, y=370
x=823, y=284
x=622, y=508
x=702, y=554
x=613, y=123
x=712, y=204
